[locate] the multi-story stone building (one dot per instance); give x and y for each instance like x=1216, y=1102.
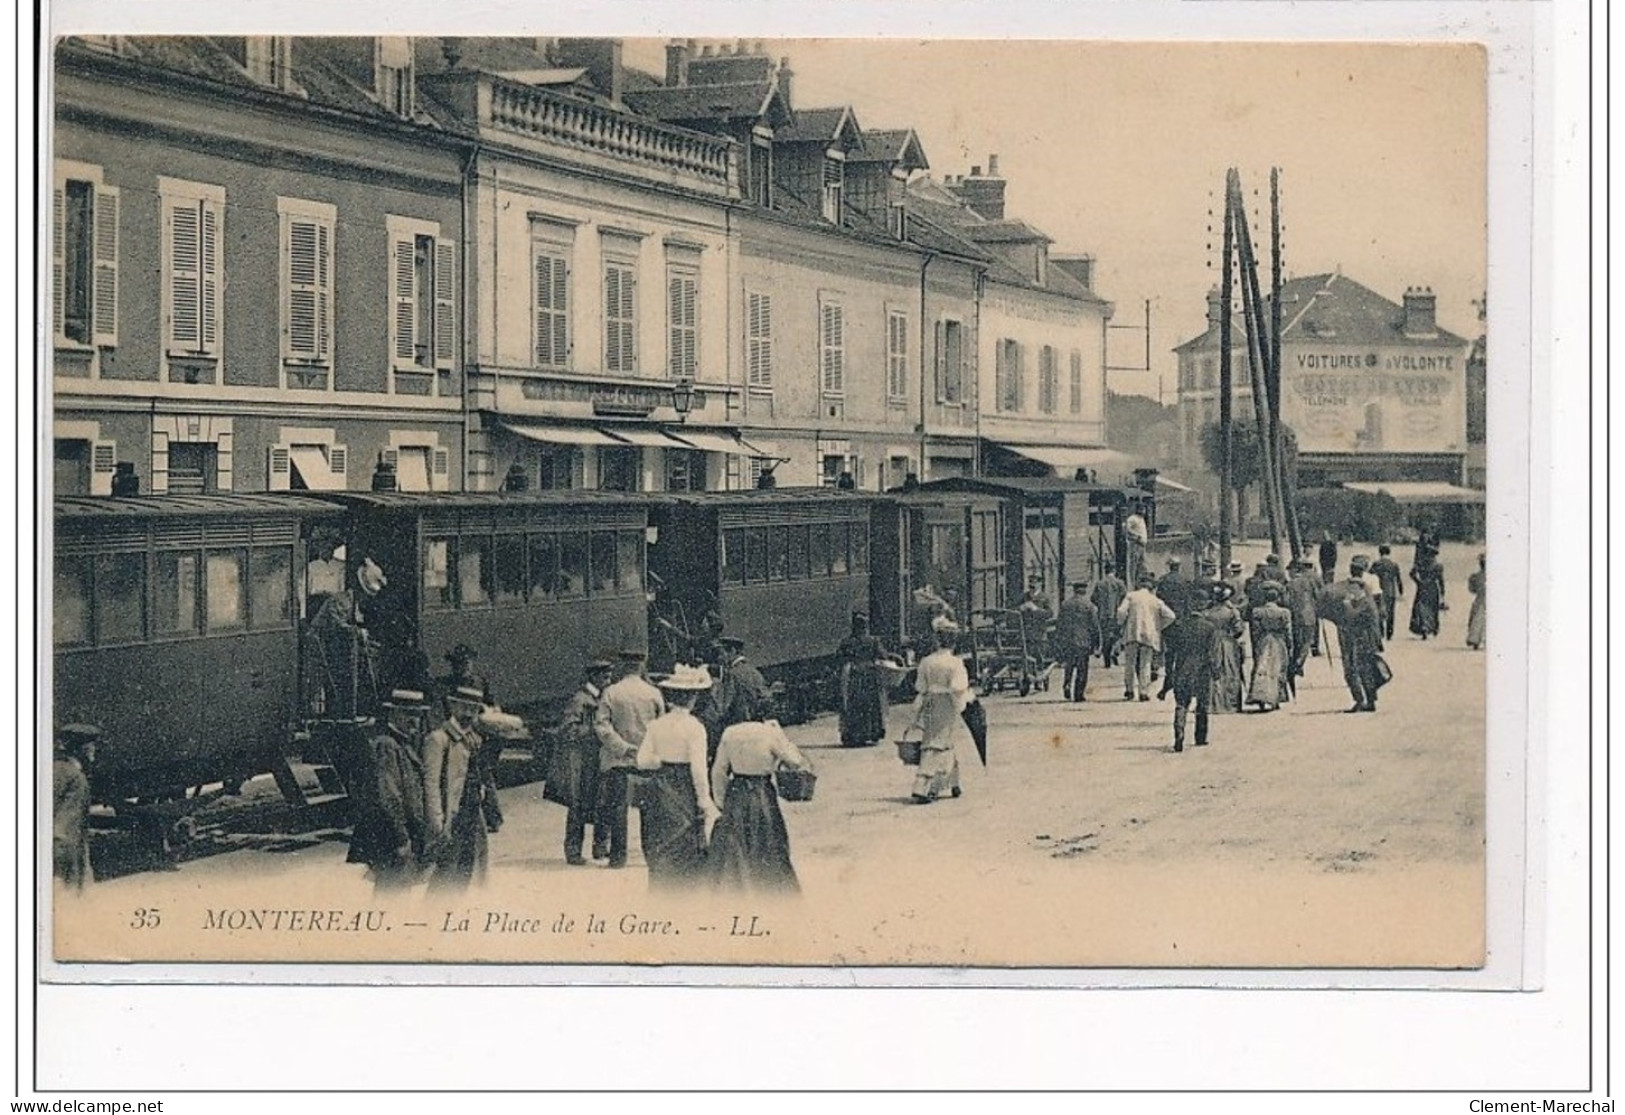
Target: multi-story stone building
x=283, y=263
x=256, y=257
x=1373, y=390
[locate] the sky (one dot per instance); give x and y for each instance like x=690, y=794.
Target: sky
x=1120, y=150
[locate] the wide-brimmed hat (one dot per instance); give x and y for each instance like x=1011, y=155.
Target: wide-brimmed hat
x=467, y=694
x=77, y=735
x=370, y=576
x=407, y=698
x=684, y=677
x=1360, y=563
x=1220, y=592
x=1235, y=567
x=631, y=654
x=599, y=664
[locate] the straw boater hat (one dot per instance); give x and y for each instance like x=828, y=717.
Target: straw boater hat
x=466, y=694
x=686, y=677
x=408, y=698
x=1235, y=567
x=370, y=577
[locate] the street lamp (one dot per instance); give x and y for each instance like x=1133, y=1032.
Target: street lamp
x=682, y=397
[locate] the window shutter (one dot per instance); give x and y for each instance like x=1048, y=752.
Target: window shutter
x=160, y=462
x=59, y=229
x=184, y=276
x=403, y=291
x=105, y=312
x=338, y=460
x=1020, y=377
x=103, y=455
x=209, y=276
x=760, y=328
x=324, y=296
x=442, y=462
x=541, y=309
x=278, y=469
x=308, y=311
x=445, y=303
x=942, y=362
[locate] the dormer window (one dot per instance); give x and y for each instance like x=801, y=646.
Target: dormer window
x=266, y=58
x=1040, y=265
x=834, y=182
x=897, y=220
x=392, y=67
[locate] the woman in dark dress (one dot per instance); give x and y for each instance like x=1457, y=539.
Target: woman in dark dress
x=863, y=698
x=1429, y=600
x=750, y=847
x=677, y=811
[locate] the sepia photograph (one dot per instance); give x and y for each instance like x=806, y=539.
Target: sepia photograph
x=745, y=503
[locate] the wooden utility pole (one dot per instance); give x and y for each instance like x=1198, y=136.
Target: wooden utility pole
x=1257, y=354
x=1288, y=486
x=1226, y=495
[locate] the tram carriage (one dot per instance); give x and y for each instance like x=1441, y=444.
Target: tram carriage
x=175, y=626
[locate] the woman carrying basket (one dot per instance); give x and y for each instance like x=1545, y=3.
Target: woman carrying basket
x=944, y=688
x=750, y=846
x=677, y=809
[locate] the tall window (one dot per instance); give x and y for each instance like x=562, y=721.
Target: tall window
x=307, y=292
x=896, y=354
x=761, y=172
x=1007, y=375
x=84, y=259
x=682, y=317
x=620, y=315
x=1048, y=380
x=392, y=66
x=950, y=361
x=834, y=180
x=423, y=317
x=759, y=339
x=194, y=277
x=550, y=296
x=832, y=347
x=1075, y=378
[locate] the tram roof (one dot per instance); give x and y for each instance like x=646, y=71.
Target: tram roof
x=194, y=506
x=771, y=496
x=443, y=501
x=1027, y=486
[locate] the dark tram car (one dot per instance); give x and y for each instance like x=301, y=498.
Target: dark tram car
x=957, y=542
x=536, y=582
x=782, y=569
x=174, y=624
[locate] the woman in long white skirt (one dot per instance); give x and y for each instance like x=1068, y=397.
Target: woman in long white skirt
x=944, y=688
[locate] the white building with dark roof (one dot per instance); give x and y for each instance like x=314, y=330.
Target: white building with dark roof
x=1374, y=390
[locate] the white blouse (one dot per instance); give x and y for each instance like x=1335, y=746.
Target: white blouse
x=677, y=737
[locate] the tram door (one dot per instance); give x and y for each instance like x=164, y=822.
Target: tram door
x=1041, y=548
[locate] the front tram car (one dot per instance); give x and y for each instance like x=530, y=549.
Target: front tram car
x=783, y=569
x=174, y=623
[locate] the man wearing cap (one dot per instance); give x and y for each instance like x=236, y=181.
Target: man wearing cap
x=1142, y=616
x=1303, y=592
x=453, y=793
x=1190, y=644
x=1174, y=589
x=1386, y=570
x=1350, y=607
x=71, y=758
x=1077, y=635
x=461, y=658
x=1106, y=595
x=1273, y=570
x=624, y=714
x=578, y=745
x=390, y=834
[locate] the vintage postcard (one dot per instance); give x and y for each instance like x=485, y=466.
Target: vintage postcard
x=866, y=503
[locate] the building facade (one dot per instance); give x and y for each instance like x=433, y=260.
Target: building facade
x=1372, y=389
x=291, y=264
x=256, y=268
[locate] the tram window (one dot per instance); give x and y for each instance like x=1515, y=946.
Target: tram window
x=572, y=564
x=121, y=597
x=778, y=554
x=733, y=556
x=175, y=593
x=756, y=555
x=544, y=566
x=509, y=570
x=629, y=556
x=70, y=612
x=603, y=561
x=860, y=547
x=225, y=608
x=473, y=571
x=269, y=574
x=798, y=543
x=438, y=560
x=840, y=542
x=818, y=549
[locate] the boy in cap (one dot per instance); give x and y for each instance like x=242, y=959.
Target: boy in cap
x=461, y=658
x=72, y=755
x=454, y=792
x=578, y=743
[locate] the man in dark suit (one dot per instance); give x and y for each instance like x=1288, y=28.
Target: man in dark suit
x=1189, y=644
x=1077, y=634
x=462, y=676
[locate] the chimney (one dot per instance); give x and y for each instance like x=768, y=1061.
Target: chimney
x=1420, y=307
x=1215, y=307
x=984, y=193
x=601, y=58
x=786, y=75
x=676, y=64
